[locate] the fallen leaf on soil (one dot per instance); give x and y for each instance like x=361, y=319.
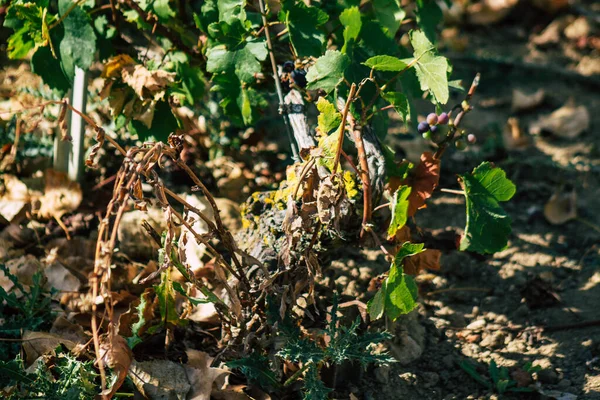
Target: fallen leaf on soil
x=61, y=278
x=201, y=375
x=36, y=344
x=567, y=122
x=561, y=208
x=160, y=379
x=60, y=196
x=513, y=136
x=15, y=196
x=115, y=354
x=232, y=392
x=522, y=101
x=423, y=182
x=428, y=259
x=23, y=268
x=488, y=12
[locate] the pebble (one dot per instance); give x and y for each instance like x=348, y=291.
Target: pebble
x=494, y=340
x=409, y=378
x=476, y=325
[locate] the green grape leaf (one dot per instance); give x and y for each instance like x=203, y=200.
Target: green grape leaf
x=191, y=82
x=390, y=14
x=401, y=289
x=78, y=44
x=488, y=225
x=27, y=19
x=235, y=55
x=400, y=103
x=231, y=10
x=329, y=118
x=407, y=250
x=19, y=44
x=163, y=10
x=398, y=293
x=329, y=145
x=350, y=19
x=431, y=68
x=401, y=293
x=49, y=69
x=429, y=16
x=399, y=207
x=303, y=24
x=230, y=87
x=385, y=63
x=328, y=71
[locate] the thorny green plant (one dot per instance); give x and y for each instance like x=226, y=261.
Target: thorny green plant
x=341, y=58
x=57, y=377
x=22, y=309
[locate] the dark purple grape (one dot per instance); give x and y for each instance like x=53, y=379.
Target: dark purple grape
x=472, y=139
x=434, y=129
x=443, y=118
x=432, y=119
x=423, y=127
x=299, y=77
x=288, y=66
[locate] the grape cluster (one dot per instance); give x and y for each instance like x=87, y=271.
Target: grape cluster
x=432, y=129
x=435, y=128
x=294, y=75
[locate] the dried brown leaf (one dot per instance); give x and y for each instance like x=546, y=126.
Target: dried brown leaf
x=561, y=208
x=423, y=182
x=14, y=197
x=428, y=259
x=567, y=122
x=522, y=101
x=147, y=84
x=513, y=136
x=201, y=375
x=36, y=344
x=116, y=354
x=61, y=195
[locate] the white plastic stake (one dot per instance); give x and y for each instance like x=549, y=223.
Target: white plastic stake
x=69, y=156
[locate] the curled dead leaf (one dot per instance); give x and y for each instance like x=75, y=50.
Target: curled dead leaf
x=116, y=354
x=522, y=101
x=36, y=344
x=428, y=259
x=14, y=196
x=561, y=208
x=423, y=182
x=160, y=379
x=201, y=375
x=60, y=196
x=567, y=122
x=513, y=136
